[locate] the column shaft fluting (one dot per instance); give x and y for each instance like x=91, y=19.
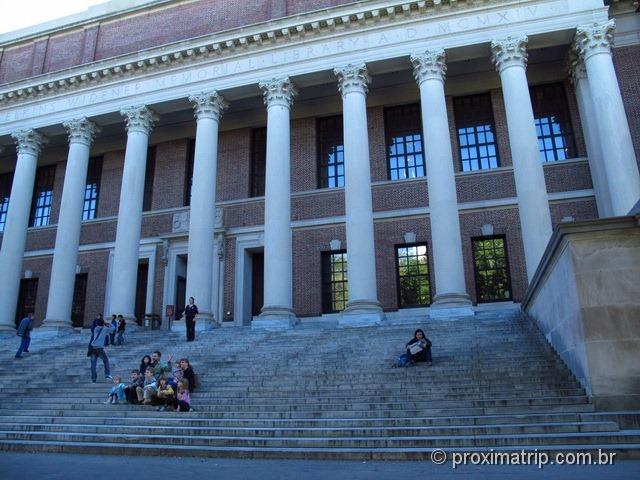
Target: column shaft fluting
x=593, y=43
x=125, y=258
x=510, y=58
x=65, y=255
x=429, y=70
x=14, y=240
x=208, y=109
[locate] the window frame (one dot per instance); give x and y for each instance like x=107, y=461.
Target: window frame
x=94, y=176
x=326, y=281
x=393, y=131
x=257, y=187
x=507, y=267
x=397, y=269
x=6, y=183
x=326, y=142
x=43, y=184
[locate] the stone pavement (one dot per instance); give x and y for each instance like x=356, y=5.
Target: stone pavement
x=44, y=466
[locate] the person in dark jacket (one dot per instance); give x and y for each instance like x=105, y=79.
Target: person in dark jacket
x=24, y=331
x=419, y=348
x=112, y=336
x=98, y=345
x=190, y=312
x=122, y=325
x=188, y=374
x=94, y=325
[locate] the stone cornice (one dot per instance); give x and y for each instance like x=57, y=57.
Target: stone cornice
x=81, y=130
x=353, y=78
x=208, y=105
x=429, y=65
x=139, y=119
x=29, y=141
x=278, y=92
x=594, y=39
x=509, y=52
x=233, y=41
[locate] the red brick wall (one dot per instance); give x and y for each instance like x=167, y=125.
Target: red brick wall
x=628, y=71
x=304, y=172
x=65, y=51
x=234, y=165
x=169, y=178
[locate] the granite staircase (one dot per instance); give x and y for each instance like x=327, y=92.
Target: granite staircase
x=317, y=392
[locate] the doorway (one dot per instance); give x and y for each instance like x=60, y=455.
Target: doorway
x=26, y=298
x=257, y=283
x=141, y=291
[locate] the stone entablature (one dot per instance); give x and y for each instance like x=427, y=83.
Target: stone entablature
x=225, y=61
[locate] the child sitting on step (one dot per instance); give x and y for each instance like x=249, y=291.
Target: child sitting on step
x=164, y=394
x=176, y=376
x=137, y=380
x=149, y=386
x=181, y=402
x=117, y=391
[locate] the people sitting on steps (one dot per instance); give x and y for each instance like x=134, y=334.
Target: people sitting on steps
x=418, y=349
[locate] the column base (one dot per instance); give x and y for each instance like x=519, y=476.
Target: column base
x=53, y=328
x=448, y=305
x=275, y=318
x=361, y=313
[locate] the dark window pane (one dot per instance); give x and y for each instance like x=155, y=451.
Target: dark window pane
x=493, y=283
x=5, y=192
x=403, y=134
x=92, y=188
x=330, y=152
x=258, y=161
x=148, y=179
x=553, y=122
x=335, y=294
x=412, y=268
x=42, y=196
x=188, y=176
x=475, y=127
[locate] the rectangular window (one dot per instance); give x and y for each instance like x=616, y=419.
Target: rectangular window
x=553, y=122
x=330, y=152
x=403, y=136
x=42, y=196
x=27, y=297
x=258, y=161
x=335, y=293
x=414, y=288
x=476, y=132
x=92, y=188
x=5, y=192
x=188, y=176
x=149, y=173
x=79, y=299
x=491, y=268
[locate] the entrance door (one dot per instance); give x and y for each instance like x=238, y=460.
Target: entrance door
x=141, y=292
x=257, y=283
x=26, y=298
x=181, y=295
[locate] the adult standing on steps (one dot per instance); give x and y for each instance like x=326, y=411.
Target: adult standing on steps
x=24, y=331
x=98, y=344
x=190, y=312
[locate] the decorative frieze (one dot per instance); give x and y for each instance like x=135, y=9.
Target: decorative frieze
x=509, y=52
x=278, y=91
x=139, y=119
x=81, y=130
x=180, y=222
x=353, y=78
x=29, y=141
x=429, y=65
x=208, y=105
x=594, y=38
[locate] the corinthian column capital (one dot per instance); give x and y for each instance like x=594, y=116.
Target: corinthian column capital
x=576, y=67
x=278, y=91
x=509, y=52
x=139, y=119
x=29, y=141
x=594, y=38
x=353, y=78
x=208, y=105
x=429, y=65
x=81, y=130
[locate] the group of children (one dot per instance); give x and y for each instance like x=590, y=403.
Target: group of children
x=167, y=386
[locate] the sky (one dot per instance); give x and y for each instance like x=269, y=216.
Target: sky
x=17, y=14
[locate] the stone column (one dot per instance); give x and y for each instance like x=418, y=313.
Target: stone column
x=63, y=271
x=277, y=311
x=429, y=69
x=208, y=109
x=139, y=120
x=593, y=44
x=510, y=58
x=591, y=136
x=363, y=306
x=29, y=143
